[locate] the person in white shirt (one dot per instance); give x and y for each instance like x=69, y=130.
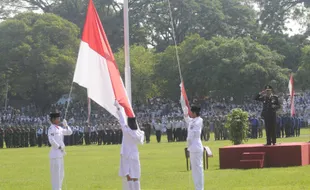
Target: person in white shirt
x=55, y=137
x=194, y=145
x=130, y=169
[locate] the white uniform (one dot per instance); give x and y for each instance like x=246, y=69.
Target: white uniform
x=195, y=149
x=130, y=162
x=55, y=137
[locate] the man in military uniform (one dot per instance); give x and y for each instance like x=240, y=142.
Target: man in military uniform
x=169, y=130
x=207, y=127
x=40, y=136
x=33, y=137
x=87, y=134
x=148, y=129
x=270, y=106
x=261, y=127
x=158, y=128
x=1, y=137
x=255, y=124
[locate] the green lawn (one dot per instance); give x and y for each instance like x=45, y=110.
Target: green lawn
x=163, y=168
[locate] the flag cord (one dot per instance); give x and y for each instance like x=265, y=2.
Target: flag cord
x=178, y=60
x=68, y=102
x=174, y=39
x=69, y=98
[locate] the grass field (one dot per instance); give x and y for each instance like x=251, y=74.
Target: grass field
x=163, y=168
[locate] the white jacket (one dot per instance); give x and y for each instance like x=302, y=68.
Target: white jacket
x=55, y=137
x=194, y=143
x=131, y=139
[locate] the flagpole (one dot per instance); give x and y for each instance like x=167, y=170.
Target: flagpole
x=126, y=50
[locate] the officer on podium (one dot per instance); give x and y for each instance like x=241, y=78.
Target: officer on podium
x=269, y=114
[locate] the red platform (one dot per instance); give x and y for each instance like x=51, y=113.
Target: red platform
x=259, y=156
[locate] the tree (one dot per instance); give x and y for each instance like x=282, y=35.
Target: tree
x=38, y=56
x=207, y=18
x=238, y=126
x=275, y=13
x=143, y=62
x=110, y=12
x=289, y=47
x=226, y=66
x=302, y=74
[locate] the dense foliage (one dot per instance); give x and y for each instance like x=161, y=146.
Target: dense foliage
x=226, y=47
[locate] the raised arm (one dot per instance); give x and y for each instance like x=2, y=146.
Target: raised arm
x=121, y=119
x=186, y=116
x=136, y=135
x=259, y=97
x=67, y=130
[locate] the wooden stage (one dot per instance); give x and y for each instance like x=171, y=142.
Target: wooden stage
x=247, y=156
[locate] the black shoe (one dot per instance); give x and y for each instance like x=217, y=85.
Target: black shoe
x=267, y=144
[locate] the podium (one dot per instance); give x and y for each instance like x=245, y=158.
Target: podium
x=206, y=154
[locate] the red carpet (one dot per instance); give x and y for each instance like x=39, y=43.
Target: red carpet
x=259, y=156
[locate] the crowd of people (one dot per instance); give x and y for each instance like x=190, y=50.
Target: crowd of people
x=27, y=127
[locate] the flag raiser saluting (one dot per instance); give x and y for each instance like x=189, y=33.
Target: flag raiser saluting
x=96, y=68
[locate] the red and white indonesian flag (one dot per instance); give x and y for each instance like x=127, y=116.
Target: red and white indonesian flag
x=292, y=93
x=183, y=99
x=96, y=69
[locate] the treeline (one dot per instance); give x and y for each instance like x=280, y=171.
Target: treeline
x=227, y=47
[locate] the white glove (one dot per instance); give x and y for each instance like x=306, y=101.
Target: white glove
x=117, y=105
x=64, y=122
x=185, y=110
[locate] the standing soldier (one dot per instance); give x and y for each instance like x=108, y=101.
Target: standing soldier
x=270, y=106
x=1, y=136
x=283, y=118
x=81, y=134
x=254, y=127
x=148, y=130
x=87, y=134
x=278, y=128
x=207, y=127
x=26, y=140
x=33, y=137
x=8, y=137
x=226, y=134
x=169, y=131
x=40, y=136
x=158, y=128
x=216, y=129
x=16, y=137
x=261, y=127
x=297, y=126
x=45, y=138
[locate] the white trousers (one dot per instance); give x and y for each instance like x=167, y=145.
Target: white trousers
x=57, y=172
x=131, y=185
x=196, y=159
x=130, y=167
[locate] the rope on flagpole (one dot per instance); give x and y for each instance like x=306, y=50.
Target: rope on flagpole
x=68, y=103
x=69, y=98
x=178, y=61
x=174, y=39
